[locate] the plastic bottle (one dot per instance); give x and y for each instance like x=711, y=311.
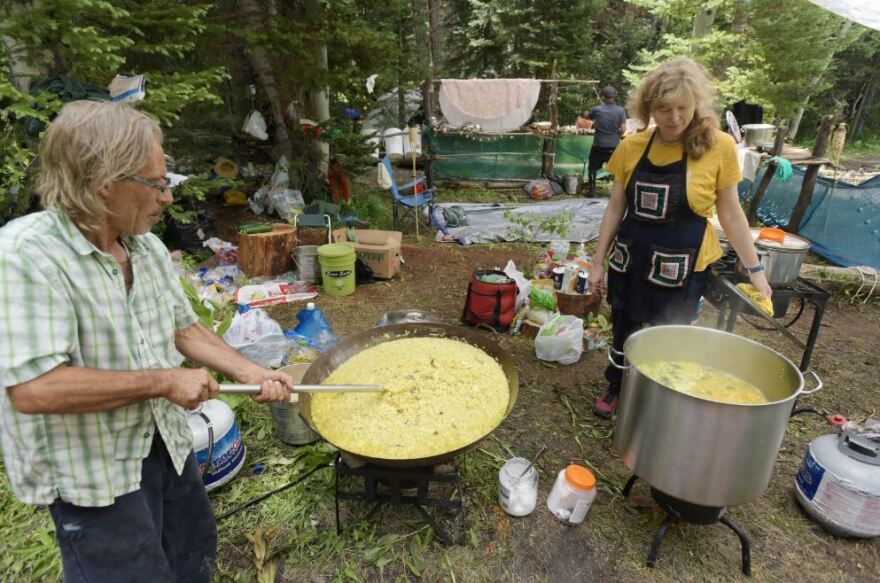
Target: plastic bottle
x=517, y=492
x=572, y=494
x=314, y=326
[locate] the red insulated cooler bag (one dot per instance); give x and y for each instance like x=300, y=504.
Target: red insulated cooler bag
x=489, y=304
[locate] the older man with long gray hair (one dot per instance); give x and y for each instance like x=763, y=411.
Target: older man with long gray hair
x=94, y=325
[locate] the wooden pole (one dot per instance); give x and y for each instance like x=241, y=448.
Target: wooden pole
x=752, y=215
x=413, y=136
x=549, y=150
x=806, y=196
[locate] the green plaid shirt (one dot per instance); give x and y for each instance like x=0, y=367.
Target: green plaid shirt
x=64, y=301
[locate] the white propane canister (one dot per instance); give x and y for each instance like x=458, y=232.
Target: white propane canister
x=838, y=484
x=393, y=143
x=214, y=418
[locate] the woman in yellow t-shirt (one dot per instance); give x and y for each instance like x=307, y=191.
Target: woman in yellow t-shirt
x=667, y=178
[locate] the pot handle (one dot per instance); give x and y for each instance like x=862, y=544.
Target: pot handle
x=819, y=383
x=612, y=352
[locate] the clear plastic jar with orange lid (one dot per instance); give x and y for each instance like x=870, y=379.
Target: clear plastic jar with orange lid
x=572, y=494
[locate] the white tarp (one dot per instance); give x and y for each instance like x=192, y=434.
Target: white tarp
x=496, y=105
x=487, y=223
x=865, y=12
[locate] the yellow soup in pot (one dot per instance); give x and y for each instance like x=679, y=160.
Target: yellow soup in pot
x=440, y=395
x=702, y=381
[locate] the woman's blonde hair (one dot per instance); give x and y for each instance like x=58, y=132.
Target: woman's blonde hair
x=91, y=144
x=666, y=84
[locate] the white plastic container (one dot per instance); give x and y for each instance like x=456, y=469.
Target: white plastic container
x=214, y=417
x=412, y=142
x=572, y=494
x=393, y=143
x=517, y=495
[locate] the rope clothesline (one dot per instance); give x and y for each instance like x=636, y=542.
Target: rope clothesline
x=571, y=81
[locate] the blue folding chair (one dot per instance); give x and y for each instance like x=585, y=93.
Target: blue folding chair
x=411, y=201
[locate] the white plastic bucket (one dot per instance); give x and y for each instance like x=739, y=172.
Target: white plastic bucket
x=393, y=143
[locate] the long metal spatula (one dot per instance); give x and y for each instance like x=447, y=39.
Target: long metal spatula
x=253, y=389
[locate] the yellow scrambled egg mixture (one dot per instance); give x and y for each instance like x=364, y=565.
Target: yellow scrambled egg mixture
x=440, y=395
x=702, y=381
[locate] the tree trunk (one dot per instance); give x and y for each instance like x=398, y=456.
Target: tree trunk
x=428, y=91
x=27, y=64
x=318, y=100
x=703, y=21
x=262, y=66
x=806, y=196
x=548, y=160
x=435, y=31
x=867, y=100
x=811, y=87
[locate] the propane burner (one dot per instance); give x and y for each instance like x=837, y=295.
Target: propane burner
x=680, y=511
x=383, y=485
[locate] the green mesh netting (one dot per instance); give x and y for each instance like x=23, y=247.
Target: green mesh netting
x=504, y=157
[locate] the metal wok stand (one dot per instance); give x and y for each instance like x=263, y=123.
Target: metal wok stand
x=396, y=481
x=681, y=511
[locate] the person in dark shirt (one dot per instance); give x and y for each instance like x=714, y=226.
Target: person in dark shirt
x=609, y=123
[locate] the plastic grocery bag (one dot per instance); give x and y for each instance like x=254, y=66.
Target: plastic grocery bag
x=523, y=285
x=560, y=340
x=255, y=125
x=258, y=337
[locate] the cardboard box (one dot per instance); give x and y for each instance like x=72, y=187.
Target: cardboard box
x=378, y=249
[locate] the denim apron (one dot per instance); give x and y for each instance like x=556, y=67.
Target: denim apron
x=652, y=258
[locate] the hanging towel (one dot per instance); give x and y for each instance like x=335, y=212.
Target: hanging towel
x=494, y=104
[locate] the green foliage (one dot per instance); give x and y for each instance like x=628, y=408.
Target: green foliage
x=526, y=226
x=770, y=52
x=212, y=315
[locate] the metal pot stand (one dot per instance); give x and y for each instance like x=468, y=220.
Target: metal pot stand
x=388, y=486
x=680, y=511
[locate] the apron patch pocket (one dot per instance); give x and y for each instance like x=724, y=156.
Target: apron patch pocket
x=651, y=201
x=669, y=267
x=620, y=257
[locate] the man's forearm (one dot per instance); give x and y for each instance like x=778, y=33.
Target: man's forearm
x=202, y=346
x=75, y=389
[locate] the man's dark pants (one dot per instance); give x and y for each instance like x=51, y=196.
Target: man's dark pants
x=165, y=531
x=598, y=157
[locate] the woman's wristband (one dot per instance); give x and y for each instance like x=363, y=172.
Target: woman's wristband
x=757, y=269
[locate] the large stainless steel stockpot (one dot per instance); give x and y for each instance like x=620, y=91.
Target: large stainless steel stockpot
x=701, y=451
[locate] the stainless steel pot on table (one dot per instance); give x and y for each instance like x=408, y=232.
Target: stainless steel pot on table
x=782, y=261
x=333, y=359
x=700, y=451
x=758, y=135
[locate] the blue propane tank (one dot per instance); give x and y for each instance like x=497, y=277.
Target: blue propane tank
x=214, y=422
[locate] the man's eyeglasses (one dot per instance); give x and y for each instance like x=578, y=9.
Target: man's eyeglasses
x=161, y=185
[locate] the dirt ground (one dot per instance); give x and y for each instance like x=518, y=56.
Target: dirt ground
x=554, y=408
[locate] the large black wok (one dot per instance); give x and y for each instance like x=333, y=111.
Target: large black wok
x=333, y=358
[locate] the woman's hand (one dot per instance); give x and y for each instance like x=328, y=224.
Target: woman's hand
x=597, y=279
x=759, y=280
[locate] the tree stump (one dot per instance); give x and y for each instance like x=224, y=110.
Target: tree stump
x=578, y=304
x=267, y=253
